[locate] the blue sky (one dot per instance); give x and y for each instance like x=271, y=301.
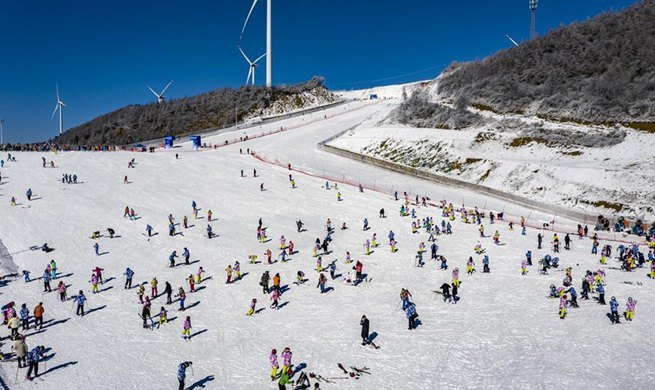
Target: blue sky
x=105, y=53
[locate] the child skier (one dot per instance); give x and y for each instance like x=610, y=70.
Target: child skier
x=272, y=358
x=186, y=329
x=251, y=310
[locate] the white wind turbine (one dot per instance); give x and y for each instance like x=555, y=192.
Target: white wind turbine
x=253, y=65
x=160, y=96
x=512, y=40
x=60, y=106
x=269, y=39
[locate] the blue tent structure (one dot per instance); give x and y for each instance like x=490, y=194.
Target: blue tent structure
x=195, y=139
x=168, y=141
x=373, y=96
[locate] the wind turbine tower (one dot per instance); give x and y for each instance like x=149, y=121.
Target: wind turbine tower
x=533, y=19
x=269, y=56
x=59, y=107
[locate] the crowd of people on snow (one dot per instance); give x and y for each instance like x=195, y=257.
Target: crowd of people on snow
x=593, y=283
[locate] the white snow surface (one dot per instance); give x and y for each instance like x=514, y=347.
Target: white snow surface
x=504, y=333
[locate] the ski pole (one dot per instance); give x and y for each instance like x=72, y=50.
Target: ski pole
x=192, y=373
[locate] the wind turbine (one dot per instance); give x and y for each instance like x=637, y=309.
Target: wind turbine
x=160, y=96
x=513, y=41
x=253, y=65
x=60, y=106
x=269, y=49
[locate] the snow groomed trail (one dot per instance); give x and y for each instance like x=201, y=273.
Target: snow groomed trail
x=503, y=333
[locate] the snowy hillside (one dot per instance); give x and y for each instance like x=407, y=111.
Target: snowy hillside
x=591, y=168
x=503, y=333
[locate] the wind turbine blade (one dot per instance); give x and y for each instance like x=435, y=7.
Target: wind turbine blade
x=62, y=103
x=165, y=88
x=259, y=58
x=244, y=55
x=153, y=91
x=57, y=86
x=55, y=111
x=254, y=3
x=249, y=73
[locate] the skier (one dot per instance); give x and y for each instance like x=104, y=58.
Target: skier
x=264, y=282
x=46, y=280
x=228, y=271
x=630, y=309
x=485, y=264
x=185, y=222
x=601, y=293
x=365, y=327
x=186, y=255
x=210, y=232
x=199, y=274
x=192, y=283
x=29, y=194
x=469, y=266
x=614, y=311
x=25, y=316
x=140, y=293
x=182, y=295
x=251, y=309
x=181, y=373
x=171, y=259
x=186, y=329
x=154, y=292
x=94, y=283
x=128, y=278
x=168, y=290
x=149, y=230
x=33, y=358
x=524, y=267
x=80, y=299
x=540, y=239
x=272, y=358
x=286, y=359
x=562, y=306
x=275, y=296
x=445, y=291
x=163, y=317
x=21, y=351
x=365, y=224
x=411, y=316
x=145, y=313
x=98, y=273
x=321, y=282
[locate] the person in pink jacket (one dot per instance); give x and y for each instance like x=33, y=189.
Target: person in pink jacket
x=61, y=289
x=275, y=296
x=562, y=306
x=630, y=309
x=272, y=358
x=286, y=359
x=186, y=329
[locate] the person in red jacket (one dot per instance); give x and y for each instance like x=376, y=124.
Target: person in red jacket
x=358, y=269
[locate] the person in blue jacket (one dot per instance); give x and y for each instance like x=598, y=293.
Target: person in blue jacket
x=149, y=230
x=128, y=278
x=186, y=255
x=25, y=316
x=365, y=223
x=80, y=299
x=96, y=247
x=391, y=235
x=181, y=373
x=411, y=316
x=171, y=259
x=601, y=294
x=29, y=194
x=614, y=310
x=33, y=358
x=46, y=281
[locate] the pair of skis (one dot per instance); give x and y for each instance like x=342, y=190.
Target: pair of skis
x=354, y=373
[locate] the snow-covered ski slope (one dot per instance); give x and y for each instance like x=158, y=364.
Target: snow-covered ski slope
x=504, y=333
